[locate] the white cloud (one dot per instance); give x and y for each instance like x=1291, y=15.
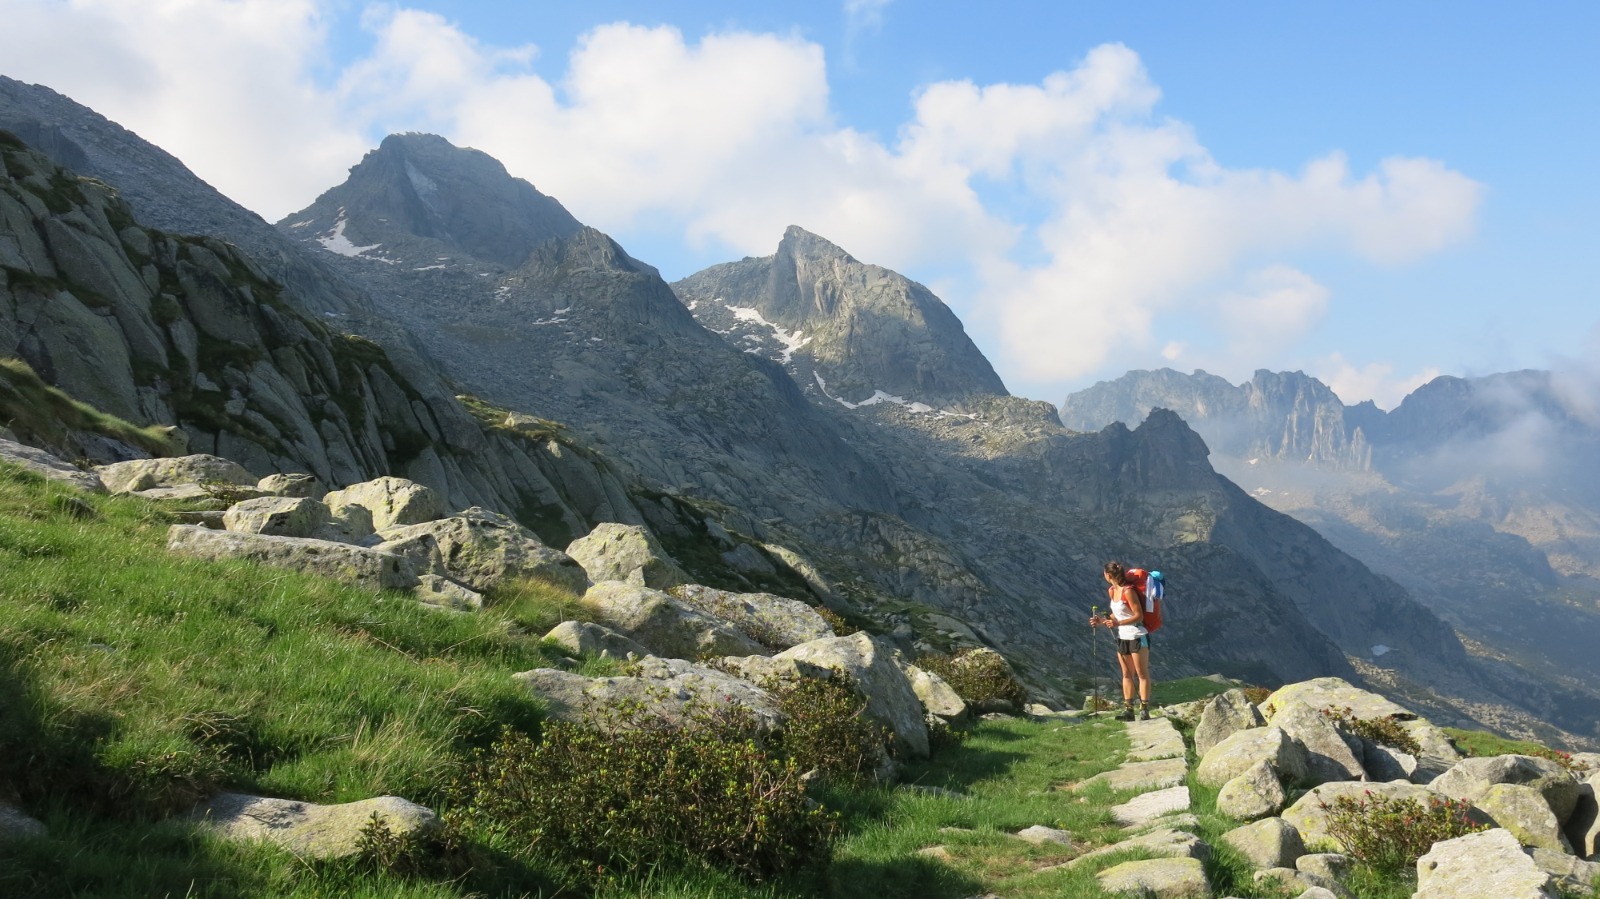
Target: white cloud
x=1374, y=381
x=224, y=86
x=728, y=138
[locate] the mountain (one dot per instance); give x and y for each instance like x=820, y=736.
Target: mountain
x=1476, y=494
x=861, y=332
x=519, y=360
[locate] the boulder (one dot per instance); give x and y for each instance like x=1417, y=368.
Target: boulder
x=1437, y=754
x=665, y=625
x=938, y=698
x=309, y=830
x=1571, y=874
x=1308, y=816
x=303, y=485
x=1486, y=865
x=1239, y=752
x=200, y=469
x=1334, y=867
x=48, y=466
x=872, y=666
x=759, y=669
x=1330, y=754
x=1524, y=812
x=1385, y=763
x=773, y=621
x=626, y=552
x=1583, y=828
x=433, y=590
x=480, y=548
x=1471, y=778
x=1221, y=717
x=669, y=691
x=388, y=503
x=355, y=565
x=1268, y=843
x=1159, y=878
x=1254, y=794
x=14, y=825
x=589, y=639
x=277, y=516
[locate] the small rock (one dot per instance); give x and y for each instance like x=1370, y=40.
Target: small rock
x=1038, y=835
x=1268, y=843
x=1162, y=878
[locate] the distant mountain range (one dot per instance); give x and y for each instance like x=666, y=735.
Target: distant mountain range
x=801, y=422
x=1479, y=495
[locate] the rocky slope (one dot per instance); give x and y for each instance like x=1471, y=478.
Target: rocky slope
x=860, y=333
x=987, y=526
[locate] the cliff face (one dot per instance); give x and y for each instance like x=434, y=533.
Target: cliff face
x=164, y=329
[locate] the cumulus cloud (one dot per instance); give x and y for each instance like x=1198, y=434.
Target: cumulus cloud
x=725, y=139
x=224, y=86
x=1376, y=381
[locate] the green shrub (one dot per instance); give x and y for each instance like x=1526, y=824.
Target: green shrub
x=841, y=627
x=1391, y=834
x=1257, y=695
x=638, y=793
x=979, y=676
x=826, y=728
x=1386, y=731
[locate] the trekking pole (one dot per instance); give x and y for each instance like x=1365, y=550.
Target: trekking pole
x=1094, y=656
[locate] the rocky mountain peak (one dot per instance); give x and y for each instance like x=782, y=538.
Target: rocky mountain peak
x=857, y=332
x=420, y=193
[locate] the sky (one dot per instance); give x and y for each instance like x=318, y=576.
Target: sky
x=1372, y=193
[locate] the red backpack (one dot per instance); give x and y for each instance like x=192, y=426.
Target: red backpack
x=1151, y=587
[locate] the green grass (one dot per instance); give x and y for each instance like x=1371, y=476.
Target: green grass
x=41, y=415
x=1187, y=689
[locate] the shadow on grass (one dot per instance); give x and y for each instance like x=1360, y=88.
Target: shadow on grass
x=900, y=878
x=960, y=767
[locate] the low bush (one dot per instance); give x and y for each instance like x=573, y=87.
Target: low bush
x=1391, y=834
x=826, y=728
x=636, y=793
x=979, y=676
x=1383, y=731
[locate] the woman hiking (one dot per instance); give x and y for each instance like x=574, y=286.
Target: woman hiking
x=1126, y=618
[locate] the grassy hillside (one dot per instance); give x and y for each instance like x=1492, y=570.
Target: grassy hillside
x=133, y=683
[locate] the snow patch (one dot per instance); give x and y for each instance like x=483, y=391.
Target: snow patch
x=336, y=242
x=302, y=224
x=791, y=340
x=878, y=396
x=428, y=268
x=1380, y=649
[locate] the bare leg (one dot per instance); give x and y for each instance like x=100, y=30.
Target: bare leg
x=1141, y=666
x=1127, y=663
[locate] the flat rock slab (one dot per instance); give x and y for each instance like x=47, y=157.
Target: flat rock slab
x=1162, y=878
x=1163, y=843
x=1156, y=775
x=308, y=829
x=45, y=465
x=1153, y=740
x=1145, y=808
x=1485, y=865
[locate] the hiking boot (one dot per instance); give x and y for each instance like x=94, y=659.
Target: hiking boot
x=1127, y=713
x=1144, y=712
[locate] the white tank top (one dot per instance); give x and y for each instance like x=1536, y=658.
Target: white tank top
x=1121, y=609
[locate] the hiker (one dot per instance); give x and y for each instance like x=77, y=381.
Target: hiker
x=1126, y=618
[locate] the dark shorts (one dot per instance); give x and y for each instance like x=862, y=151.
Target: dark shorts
x=1129, y=647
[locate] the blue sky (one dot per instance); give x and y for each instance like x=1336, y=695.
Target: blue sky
x=1372, y=193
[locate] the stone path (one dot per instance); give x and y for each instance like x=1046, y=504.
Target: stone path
x=1157, y=766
